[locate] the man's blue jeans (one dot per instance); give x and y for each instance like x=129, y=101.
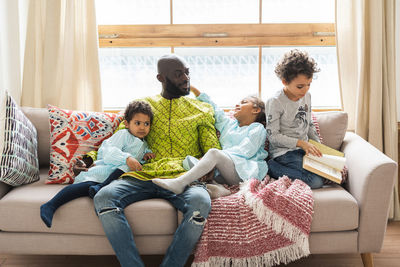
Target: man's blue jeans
x=291, y=165
x=110, y=201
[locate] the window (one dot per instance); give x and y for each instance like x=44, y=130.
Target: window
x=232, y=46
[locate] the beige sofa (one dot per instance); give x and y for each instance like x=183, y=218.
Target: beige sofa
x=346, y=220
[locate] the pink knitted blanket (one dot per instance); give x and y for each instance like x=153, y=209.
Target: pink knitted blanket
x=263, y=224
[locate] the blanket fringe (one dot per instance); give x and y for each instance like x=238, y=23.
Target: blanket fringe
x=274, y=220
x=283, y=255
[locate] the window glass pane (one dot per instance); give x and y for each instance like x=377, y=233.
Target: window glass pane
x=128, y=74
x=119, y=12
x=298, y=11
x=215, y=11
x=225, y=74
x=324, y=89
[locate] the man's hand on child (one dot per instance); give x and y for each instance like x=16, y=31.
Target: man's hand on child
x=194, y=90
x=133, y=164
x=149, y=156
x=309, y=148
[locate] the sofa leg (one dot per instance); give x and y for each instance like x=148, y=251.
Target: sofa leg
x=367, y=259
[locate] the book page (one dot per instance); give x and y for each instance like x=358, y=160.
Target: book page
x=332, y=161
x=322, y=169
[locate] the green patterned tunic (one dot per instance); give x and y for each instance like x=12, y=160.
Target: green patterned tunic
x=181, y=126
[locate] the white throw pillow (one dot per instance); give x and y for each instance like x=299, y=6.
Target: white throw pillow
x=18, y=144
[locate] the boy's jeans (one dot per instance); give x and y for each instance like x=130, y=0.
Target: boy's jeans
x=110, y=201
x=291, y=165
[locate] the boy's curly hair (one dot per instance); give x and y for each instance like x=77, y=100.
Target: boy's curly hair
x=296, y=62
x=135, y=107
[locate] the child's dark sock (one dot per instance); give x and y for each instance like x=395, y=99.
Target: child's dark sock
x=46, y=213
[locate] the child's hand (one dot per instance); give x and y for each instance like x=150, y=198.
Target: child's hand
x=195, y=91
x=133, y=164
x=345, y=174
x=309, y=148
x=148, y=156
x=79, y=166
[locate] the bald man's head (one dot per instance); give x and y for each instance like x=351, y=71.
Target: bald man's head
x=173, y=73
x=167, y=63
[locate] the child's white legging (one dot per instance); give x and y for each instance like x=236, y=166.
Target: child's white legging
x=214, y=158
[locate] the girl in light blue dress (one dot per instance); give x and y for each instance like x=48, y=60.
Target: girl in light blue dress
x=125, y=150
x=242, y=140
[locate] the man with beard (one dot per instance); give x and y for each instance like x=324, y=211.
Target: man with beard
x=181, y=126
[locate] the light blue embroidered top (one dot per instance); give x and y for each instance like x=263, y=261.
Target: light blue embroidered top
x=244, y=145
x=112, y=154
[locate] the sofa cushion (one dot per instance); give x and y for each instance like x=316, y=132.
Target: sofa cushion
x=18, y=144
x=335, y=209
x=148, y=217
x=40, y=119
x=333, y=127
x=72, y=135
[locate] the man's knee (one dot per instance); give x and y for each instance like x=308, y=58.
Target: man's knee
x=200, y=205
x=102, y=198
x=197, y=218
x=104, y=203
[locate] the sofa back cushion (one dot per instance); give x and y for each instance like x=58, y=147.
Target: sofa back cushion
x=40, y=119
x=333, y=127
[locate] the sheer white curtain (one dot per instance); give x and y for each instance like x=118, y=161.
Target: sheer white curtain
x=12, y=32
x=61, y=65
x=365, y=31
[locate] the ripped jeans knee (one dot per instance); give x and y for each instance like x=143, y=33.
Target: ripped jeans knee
x=106, y=210
x=197, y=218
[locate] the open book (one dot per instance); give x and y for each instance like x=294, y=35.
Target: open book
x=329, y=165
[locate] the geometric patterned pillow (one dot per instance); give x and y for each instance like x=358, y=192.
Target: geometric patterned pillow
x=72, y=135
x=18, y=144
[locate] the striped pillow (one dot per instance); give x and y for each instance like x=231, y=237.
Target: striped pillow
x=18, y=144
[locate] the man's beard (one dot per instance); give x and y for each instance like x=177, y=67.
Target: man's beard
x=174, y=91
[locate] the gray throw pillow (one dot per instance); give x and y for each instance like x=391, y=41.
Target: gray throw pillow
x=18, y=144
x=333, y=127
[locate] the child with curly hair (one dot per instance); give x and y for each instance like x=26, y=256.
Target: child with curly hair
x=289, y=125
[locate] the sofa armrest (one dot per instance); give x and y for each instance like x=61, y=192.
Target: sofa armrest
x=371, y=181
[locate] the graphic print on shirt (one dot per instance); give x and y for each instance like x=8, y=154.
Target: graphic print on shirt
x=269, y=119
x=300, y=119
